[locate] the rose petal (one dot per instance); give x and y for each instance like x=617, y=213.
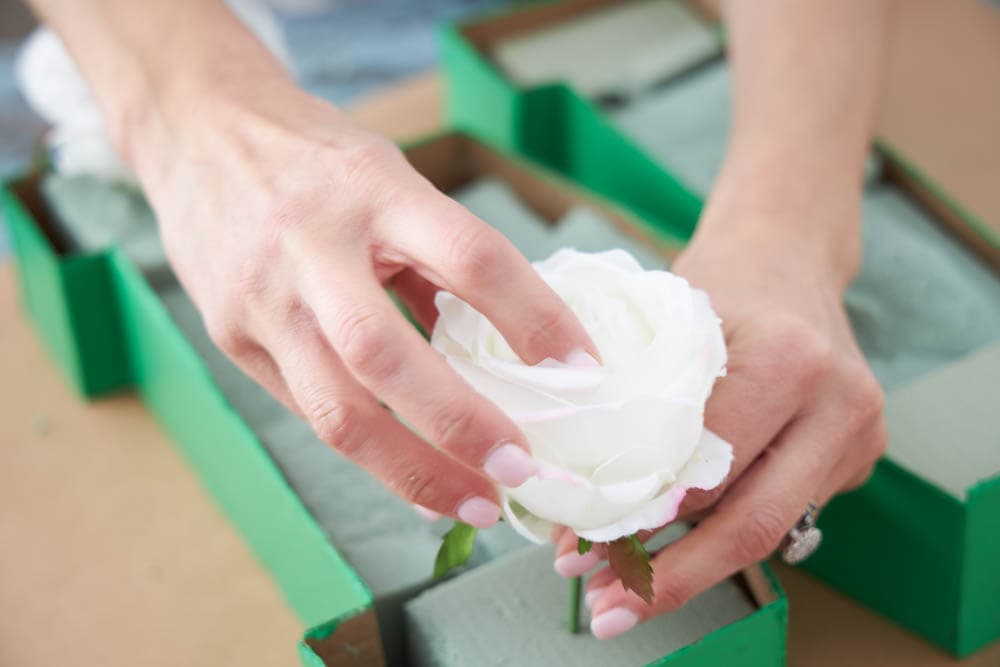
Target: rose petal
x=527, y=524
x=584, y=439
x=709, y=464
x=707, y=468
x=655, y=514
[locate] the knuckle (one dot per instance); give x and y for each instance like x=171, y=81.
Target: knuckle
x=859, y=479
x=877, y=443
x=760, y=533
x=338, y=424
x=365, y=163
x=671, y=595
x=473, y=249
x=362, y=341
x=806, y=356
x=453, y=423
x=227, y=335
x=417, y=487
x=863, y=395
x=544, y=324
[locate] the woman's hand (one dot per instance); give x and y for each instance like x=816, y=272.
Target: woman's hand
x=284, y=221
x=799, y=405
x=775, y=248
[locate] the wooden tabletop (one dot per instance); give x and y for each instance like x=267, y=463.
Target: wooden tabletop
x=112, y=553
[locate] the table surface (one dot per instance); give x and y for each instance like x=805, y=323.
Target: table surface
x=111, y=552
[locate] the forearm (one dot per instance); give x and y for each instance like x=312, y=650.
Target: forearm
x=805, y=84
x=153, y=65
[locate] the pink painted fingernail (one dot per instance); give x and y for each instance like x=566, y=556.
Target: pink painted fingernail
x=479, y=512
x=573, y=564
x=510, y=465
x=582, y=358
x=428, y=514
x=613, y=623
x=592, y=596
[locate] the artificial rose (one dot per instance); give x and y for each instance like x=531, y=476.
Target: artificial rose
x=620, y=443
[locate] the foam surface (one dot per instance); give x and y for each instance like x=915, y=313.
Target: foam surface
x=921, y=300
x=616, y=51
x=946, y=426
x=685, y=125
x=581, y=228
x=514, y=611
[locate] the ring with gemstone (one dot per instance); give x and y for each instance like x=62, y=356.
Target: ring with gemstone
x=803, y=539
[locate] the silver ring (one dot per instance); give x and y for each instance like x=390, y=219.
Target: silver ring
x=803, y=539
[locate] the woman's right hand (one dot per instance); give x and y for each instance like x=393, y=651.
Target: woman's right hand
x=284, y=221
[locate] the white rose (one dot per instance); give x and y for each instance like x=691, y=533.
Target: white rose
x=619, y=444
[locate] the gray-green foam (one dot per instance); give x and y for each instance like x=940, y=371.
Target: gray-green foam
x=582, y=227
x=613, y=51
x=94, y=215
x=946, y=426
x=685, y=124
x=513, y=612
x=922, y=299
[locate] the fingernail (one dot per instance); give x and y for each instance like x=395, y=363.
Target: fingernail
x=510, y=465
x=479, y=512
x=426, y=513
x=591, y=596
x=573, y=564
x=613, y=623
x=580, y=357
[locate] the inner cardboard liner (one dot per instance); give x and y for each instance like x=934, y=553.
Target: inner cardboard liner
x=381, y=536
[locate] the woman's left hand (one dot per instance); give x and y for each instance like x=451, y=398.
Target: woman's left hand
x=799, y=405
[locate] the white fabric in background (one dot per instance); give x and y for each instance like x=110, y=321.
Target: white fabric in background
x=56, y=90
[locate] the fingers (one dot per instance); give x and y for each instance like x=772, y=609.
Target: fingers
x=259, y=366
x=569, y=562
x=462, y=254
x=388, y=357
x=348, y=418
x=746, y=527
x=418, y=295
x=748, y=408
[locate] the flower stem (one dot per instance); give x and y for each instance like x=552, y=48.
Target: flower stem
x=575, y=586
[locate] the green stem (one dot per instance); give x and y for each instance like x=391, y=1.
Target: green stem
x=575, y=586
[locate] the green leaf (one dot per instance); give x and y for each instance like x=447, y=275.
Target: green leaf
x=630, y=561
x=583, y=546
x=456, y=547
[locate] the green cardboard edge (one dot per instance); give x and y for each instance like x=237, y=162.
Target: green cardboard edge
x=758, y=640
x=911, y=538
x=558, y=128
x=159, y=363
x=979, y=616
x=70, y=303
x=234, y=466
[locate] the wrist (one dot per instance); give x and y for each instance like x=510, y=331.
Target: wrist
x=800, y=214
x=168, y=92
x=219, y=117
